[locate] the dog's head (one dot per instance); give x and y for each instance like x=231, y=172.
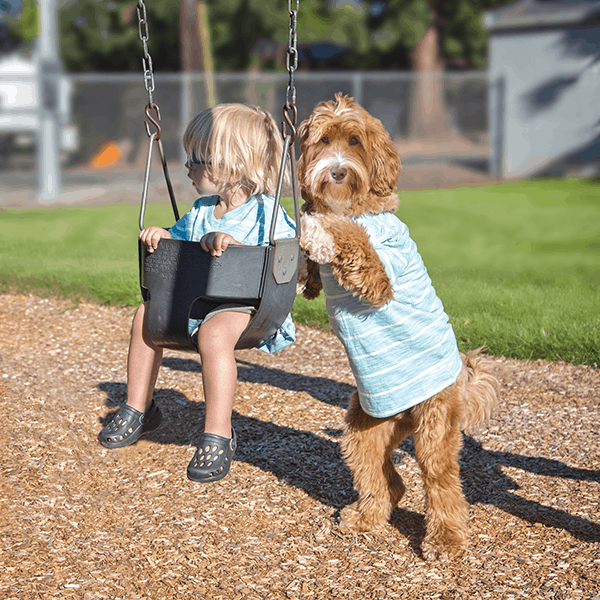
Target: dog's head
x=348, y=164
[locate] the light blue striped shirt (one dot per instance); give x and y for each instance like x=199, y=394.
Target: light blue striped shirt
x=405, y=352
x=248, y=224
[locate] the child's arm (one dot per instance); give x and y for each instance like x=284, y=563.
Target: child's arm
x=216, y=242
x=152, y=235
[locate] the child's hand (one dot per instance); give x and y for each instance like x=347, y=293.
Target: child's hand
x=152, y=235
x=215, y=242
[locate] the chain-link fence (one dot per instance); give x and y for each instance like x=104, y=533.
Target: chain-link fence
x=435, y=114
x=437, y=121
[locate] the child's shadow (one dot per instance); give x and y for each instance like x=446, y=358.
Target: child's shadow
x=325, y=390
x=301, y=458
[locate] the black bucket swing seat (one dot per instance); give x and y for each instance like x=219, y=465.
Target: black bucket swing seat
x=179, y=272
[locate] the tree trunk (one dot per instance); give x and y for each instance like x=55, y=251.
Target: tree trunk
x=428, y=111
x=190, y=45
x=194, y=43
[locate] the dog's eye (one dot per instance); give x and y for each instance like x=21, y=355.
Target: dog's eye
x=325, y=139
x=353, y=140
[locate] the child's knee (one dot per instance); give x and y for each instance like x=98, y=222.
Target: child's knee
x=222, y=332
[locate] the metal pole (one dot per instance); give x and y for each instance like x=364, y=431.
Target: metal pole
x=48, y=73
x=357, y=87
x=496, y=124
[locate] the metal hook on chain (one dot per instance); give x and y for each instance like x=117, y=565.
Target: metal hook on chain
x=154, y=122
x=290, y=121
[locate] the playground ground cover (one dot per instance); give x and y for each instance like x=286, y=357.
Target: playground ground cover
x=516, y=264
x=81, y=522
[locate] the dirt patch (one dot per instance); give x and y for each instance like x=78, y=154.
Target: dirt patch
x=80, y=521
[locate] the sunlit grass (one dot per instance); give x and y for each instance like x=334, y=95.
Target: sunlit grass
x=516, y=265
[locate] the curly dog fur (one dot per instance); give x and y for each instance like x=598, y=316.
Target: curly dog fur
x=349, y=167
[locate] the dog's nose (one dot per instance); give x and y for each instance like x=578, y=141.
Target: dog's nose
x=338, y=173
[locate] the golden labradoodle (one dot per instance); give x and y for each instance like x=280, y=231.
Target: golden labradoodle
x=410, y=376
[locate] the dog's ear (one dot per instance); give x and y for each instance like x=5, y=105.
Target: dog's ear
x=303, y=134
x=385, y=160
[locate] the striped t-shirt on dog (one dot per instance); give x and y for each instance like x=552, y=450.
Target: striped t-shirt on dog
x=404, y=352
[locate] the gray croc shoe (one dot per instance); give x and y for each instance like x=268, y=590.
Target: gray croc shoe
x=212, y=458
x=128, y=425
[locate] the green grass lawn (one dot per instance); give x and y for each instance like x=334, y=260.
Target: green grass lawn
x=517, y=265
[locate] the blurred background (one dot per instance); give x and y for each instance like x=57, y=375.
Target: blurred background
x=470, y=91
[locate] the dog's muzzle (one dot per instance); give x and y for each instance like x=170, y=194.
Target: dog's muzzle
x=338, y=173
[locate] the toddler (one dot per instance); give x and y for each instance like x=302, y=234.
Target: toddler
x=233, y=154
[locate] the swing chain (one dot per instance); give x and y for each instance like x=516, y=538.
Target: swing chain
x=146, y=59
x=154, y=137
x=290, y=112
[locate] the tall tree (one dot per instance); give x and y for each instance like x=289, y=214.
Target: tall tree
x=433, y=35
x=190, y=44
x=379, y=34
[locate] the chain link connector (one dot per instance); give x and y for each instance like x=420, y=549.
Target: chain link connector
x=146, y=59
x=154, y=122
x=290, y=107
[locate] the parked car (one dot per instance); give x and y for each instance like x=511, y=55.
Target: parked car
x=20, y=110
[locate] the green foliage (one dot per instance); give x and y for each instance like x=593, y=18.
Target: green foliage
x=516, y=265
x=464, y=34
x=25, y=27
x=404, y=22
x=103, y=36
x=236, y=26
x=29, y=24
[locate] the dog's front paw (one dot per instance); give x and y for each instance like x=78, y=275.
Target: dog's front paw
x=365, y=277
x=316, y=241
x=379, y=294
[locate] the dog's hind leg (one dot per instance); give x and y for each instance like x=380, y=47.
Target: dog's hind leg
x=438, y=440
x=367, y=448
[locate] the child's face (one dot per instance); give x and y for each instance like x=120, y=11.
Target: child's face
x=203, y=183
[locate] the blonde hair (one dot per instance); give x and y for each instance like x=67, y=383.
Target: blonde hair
x=241, y=143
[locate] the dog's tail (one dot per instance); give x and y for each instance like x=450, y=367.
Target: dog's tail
x=481, y=391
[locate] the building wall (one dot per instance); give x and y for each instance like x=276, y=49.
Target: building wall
x=544, y=109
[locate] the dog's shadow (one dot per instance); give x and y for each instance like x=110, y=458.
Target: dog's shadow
x=484, y=482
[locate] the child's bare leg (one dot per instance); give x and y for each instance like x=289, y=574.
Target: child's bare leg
x=138, y=416
x=143, y=363
x=216, y=343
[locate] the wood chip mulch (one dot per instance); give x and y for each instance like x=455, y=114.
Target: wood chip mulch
x=80, y=521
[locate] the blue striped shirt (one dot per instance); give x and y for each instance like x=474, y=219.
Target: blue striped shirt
x=248, y=224
x=405, y=352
